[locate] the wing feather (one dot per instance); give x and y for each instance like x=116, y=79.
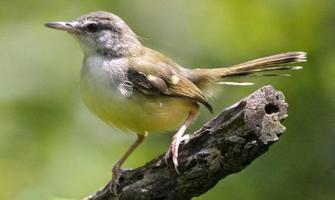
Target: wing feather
x=174, y=86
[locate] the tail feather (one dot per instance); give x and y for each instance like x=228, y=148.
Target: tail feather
x=236, y=83
x=267, y=74
x=275, y=68
x=270, y=63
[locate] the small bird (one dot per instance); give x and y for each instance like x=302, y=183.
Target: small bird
x=134, y=88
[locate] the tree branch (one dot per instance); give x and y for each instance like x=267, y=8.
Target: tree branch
x=225, y=145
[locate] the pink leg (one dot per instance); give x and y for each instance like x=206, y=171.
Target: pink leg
x=177, y=138
x=117, y=172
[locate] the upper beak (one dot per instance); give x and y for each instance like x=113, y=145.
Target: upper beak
x=64, y=26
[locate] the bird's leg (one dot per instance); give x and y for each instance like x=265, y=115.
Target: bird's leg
x=117, y=171
x=177, y=138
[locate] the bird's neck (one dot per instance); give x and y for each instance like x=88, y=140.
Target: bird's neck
x=127, y=46
x=119, y=50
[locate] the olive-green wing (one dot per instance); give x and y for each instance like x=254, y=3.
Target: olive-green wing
x=166, y=84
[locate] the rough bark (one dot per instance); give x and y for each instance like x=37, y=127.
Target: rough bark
x=224, y=145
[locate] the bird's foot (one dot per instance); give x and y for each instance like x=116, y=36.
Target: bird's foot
x=173, y=150
x=115, y=182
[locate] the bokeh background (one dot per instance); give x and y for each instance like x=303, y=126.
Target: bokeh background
x=52, y=147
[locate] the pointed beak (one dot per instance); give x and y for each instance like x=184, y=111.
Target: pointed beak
x=63, y=26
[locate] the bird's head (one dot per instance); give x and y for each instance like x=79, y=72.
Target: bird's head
x=101, y=33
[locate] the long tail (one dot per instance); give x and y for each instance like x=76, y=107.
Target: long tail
x=253, y=67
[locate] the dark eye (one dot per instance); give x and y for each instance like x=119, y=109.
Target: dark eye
x=92, y=27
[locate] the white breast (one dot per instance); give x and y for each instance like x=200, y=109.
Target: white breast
x=101, y=84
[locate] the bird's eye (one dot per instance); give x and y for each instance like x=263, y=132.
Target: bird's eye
x=92, y=27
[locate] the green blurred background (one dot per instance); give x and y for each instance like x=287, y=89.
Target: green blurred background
x=51, y=146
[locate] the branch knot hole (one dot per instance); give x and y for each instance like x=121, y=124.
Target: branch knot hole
x=271, y=108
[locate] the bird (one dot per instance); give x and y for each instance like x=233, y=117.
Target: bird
x=134, y=88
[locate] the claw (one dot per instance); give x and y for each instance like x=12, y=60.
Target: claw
x=174, y=151
x=113, y=187
x=115, y=183
x=178, y=138
x=167, y=156
x=174, y=148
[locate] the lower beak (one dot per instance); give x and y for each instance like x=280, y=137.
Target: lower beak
x=63, y=26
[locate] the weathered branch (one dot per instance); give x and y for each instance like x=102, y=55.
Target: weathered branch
x=224, y=145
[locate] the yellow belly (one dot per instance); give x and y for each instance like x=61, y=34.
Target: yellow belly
x=138, y=113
